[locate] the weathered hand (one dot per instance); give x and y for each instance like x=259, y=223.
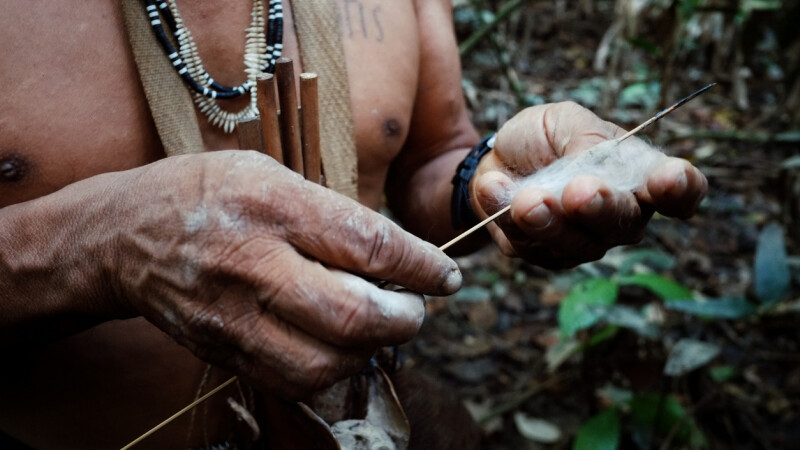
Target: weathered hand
x=252, y=268
x=590, y=216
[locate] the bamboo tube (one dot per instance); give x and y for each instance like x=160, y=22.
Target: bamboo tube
x=289, y=120
x=268, y=111
x=248, y=133
x=309, y=112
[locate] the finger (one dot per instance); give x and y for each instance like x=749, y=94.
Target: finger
x=550, y=237
x=493, y=192
x=676, y=189
x=338, y=307
x=537, y=213
x=343, y=234
x=308, y=364
x=614, y=217
x=538, y=231
x=266, y=350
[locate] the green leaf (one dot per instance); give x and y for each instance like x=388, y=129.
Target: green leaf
x=687, y=355
x=771, y=268
x=600, y=432
x=722, y=374
x=643, y=94
x=687, y=8
x=656, y=259
x=665, y=288
x=577, y=311
x=627, y=317
x=653, y=411
x=724, y=308
x=601, y=336
x=587, y=94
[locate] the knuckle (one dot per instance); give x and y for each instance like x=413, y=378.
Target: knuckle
x=200, y=322
x=377, y=245
x=320, y=373
x=354, y=323
x=379, y=239
x=569, y=105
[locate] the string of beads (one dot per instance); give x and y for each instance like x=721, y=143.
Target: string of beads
x=263, y=46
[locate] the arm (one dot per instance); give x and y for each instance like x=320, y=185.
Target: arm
x=54, y=263
x=580, y=225
x=440, y=134
x=234, y=256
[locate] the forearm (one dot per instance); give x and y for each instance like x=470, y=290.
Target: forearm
x=53, y=260
x=422, y=201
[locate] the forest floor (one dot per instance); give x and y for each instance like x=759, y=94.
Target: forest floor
x=497, y=342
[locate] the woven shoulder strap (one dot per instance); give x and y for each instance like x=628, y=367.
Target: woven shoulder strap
x=322, y=52
x=170, y=104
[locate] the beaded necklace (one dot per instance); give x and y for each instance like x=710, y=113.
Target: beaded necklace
x=263, y=46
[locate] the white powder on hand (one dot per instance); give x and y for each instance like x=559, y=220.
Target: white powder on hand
x=623, y=166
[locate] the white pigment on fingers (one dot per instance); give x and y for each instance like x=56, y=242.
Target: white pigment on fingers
x=196, y=220
x=391, y=305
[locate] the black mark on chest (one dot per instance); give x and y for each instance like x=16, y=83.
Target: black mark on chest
x=361, y=20
x=13, y=167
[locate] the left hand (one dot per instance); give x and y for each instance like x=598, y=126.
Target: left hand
x=590, y=217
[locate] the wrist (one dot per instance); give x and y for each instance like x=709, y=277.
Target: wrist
x=54, y=261
x=461, y=206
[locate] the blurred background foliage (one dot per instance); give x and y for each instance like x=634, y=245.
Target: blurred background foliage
x=690, y=339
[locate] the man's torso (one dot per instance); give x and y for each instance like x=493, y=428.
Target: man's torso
x=74, y=108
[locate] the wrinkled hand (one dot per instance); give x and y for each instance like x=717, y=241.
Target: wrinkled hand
x=590, y=217
x=251, y=268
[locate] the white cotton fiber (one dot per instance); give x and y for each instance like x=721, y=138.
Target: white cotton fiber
x=623, y=166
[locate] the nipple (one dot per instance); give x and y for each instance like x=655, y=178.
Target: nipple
x=13, y=168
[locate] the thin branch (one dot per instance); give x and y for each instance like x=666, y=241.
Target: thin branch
x=479, y=34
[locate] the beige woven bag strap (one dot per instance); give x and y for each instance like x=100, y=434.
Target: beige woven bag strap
x=170, y=104
x=322, y=52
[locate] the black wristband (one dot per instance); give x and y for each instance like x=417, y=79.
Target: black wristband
x=461, y=212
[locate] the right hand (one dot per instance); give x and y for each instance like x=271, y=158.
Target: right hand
x=252, y=268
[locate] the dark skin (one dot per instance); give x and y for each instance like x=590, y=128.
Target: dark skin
x=122, y=274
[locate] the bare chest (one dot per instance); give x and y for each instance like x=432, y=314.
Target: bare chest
x=75, y=108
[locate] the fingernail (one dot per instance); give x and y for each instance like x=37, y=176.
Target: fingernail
x=403, y=305
x=453, y=281
x=501, y=193
x=681, y=182
x=539, y=217
x=593, y=207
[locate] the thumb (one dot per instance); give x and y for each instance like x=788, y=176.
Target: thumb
x=491, y=192
x=539, y=135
